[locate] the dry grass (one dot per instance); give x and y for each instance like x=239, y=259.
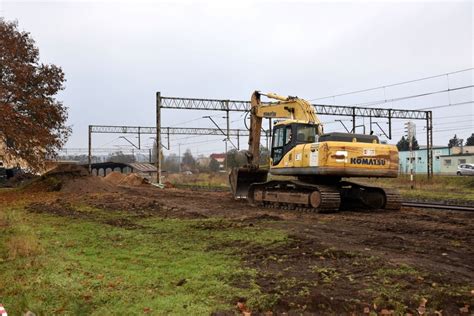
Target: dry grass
x=24, y=245
x=201, y=179
x=4, y=220
x=19, y=241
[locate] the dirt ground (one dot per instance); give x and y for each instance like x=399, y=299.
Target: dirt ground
x=337, y=263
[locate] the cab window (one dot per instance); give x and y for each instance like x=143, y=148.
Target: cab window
x=288, y=135
x=278, y=142
x=306, y=134
x=278, y=137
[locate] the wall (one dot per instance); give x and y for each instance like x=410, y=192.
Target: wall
x=420, y=162
x=465, y=150
x=449, y=164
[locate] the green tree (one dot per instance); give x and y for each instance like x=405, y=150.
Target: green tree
x=188, y=160
x=171, y=163
x=470, y=140
x=235, y=159
x=32, y=120
x=214, y=165
x=404, y=145
x=455, y=142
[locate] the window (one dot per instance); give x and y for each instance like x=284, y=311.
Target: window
x=460, y=161
x=447, y=162
x=278, y=137
x=306, y=133
x=278, y=142
x=288, y=135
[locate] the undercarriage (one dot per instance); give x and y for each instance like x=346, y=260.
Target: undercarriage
x=322, y=198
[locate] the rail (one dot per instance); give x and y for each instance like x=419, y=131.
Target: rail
x=440, y=206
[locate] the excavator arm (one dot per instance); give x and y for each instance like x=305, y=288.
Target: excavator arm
x=286, y=107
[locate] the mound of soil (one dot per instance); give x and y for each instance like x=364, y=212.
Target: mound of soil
x=20, y=179
x=115, y=177
x=133, y=179
x=89, y=184
x=69, y=169
x=70, y=178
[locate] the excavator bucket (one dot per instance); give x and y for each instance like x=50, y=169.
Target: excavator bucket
x=241, y=178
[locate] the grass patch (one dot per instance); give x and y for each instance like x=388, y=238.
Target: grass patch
x=439, y=188
x=400, y=270
x=83, y=265
x=210, y=180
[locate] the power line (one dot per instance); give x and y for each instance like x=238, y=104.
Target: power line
x=453, y=116
x=446, y=105
x=113, y=140
x=411, y=96
x=393, y=85
x=193, y=120
x=453, y=129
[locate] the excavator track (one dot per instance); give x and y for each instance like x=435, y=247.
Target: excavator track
x=322, y=198
x=394, y=200
x=295, y=195
x=369, y=197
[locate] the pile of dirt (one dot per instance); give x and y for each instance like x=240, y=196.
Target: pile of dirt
x=89, y=184
x=69, y=169
x=70, y=178
x=131, y=179
x=115, y=177
x=20, y=179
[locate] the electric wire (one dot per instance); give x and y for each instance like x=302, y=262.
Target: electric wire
x=411, y=96
x=446, y=105
x=393, y=85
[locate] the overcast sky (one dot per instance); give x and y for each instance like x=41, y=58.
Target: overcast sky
x=116, y=55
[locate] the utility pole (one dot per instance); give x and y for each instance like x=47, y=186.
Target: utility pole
x=226, y=155
x=410, y=129
x=158, y=138
x=89, y=156
x=227, y=133
x=179, y=157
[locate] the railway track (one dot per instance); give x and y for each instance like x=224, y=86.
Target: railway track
x=440, y=206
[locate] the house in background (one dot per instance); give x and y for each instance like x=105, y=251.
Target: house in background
x=445, y=160
x=420, y=160
x=450, y=163
x=220, y=159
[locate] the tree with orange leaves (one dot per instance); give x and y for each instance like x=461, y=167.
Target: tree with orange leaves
x=32, y=120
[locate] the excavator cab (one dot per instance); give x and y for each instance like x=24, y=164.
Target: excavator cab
x=286, y=135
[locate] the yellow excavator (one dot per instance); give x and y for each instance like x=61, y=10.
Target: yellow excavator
x=307, y=166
